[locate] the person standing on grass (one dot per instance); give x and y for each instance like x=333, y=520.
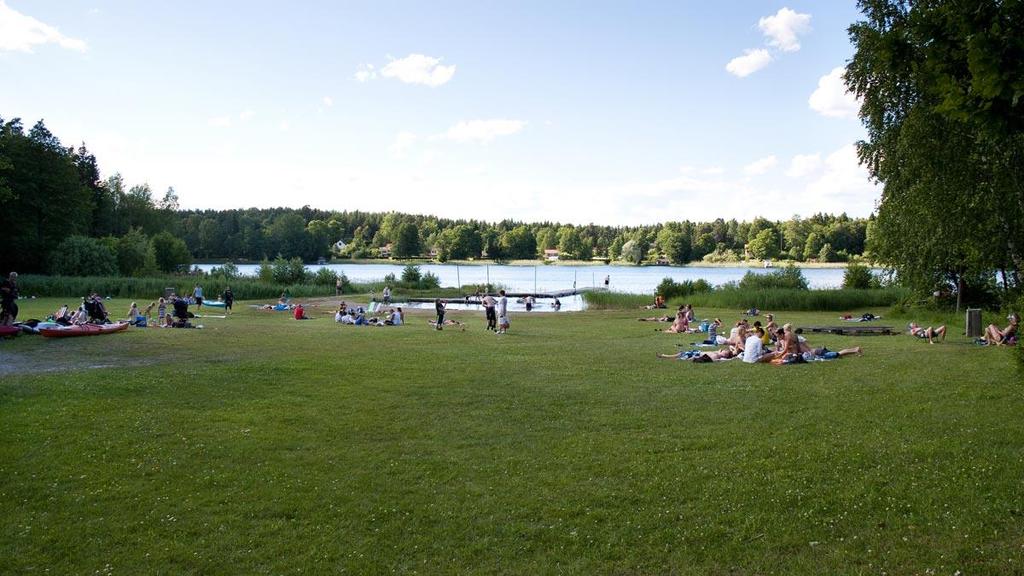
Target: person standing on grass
x=9, y=300
x=492, y=319
x=197, y=294
x=503, y=322
x=337, y=286
x=387, y=295
x=439, y=307
x=229, y=299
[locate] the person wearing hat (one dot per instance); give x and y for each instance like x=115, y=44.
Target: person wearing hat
x=9, y=300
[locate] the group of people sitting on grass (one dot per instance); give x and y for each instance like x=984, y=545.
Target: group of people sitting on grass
x=680, y=322
x=357, y=316
x=90, y=311
x=755, y=343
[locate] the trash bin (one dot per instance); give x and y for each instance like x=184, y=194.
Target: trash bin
x=974, y=322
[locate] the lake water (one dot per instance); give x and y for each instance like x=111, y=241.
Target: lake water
x=549, y=278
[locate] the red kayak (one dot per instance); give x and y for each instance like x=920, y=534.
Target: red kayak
x=9, y=331
x=83, y=330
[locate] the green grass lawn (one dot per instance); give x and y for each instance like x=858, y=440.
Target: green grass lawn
x=264, y=445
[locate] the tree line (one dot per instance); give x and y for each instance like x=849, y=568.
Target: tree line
x=60, y=216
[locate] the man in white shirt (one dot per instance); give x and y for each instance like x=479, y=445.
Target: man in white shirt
x=503, y=322
x=753, y=349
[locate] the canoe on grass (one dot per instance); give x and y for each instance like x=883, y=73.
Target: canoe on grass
x=83, y=330
x=214, y=303
x=9, y=331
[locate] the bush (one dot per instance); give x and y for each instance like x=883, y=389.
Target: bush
x=789, y=277
x=411, y=275
x=721, y=254
x=135, y=254
x=288, y=271
x=325, y=277
x=413, y=279
x=429, y=282
x=228, y=271
x=81, y=256
x=669, y=288
x=170, y=252
x=859, y=277
x=266, y=271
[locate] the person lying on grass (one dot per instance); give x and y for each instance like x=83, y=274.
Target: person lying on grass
x=996, y=337
x=928, y=333
x=448, y=322
x=698, y=356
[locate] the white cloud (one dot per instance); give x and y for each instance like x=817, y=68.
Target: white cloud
x=220, y=121
x=782, y=29
x=403, y=141
x=19, y=33
x=365, y=73
x=418, y=69
x=713, y=170
x=803, y=165
x=760, y=166
x=246, y=115
x=832, y=99
x=328, y=101
x=844, y=185
x=483, y=131
x=750, y=62
x=284, y=126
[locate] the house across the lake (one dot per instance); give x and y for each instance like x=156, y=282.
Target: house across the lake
x=384, y=251
x=551, y=254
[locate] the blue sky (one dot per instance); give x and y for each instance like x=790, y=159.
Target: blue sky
x=607, y=112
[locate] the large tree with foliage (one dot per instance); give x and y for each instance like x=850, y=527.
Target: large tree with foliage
x=407, y=241
x=942, y=85
x=42, y=199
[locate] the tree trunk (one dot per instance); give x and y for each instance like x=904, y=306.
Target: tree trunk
x=959, y=291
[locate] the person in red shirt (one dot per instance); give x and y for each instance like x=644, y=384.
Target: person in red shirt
x=300, y=313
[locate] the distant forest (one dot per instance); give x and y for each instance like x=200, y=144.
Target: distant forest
x=59, y=216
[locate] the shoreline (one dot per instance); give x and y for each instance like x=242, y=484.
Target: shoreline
x=564, y=263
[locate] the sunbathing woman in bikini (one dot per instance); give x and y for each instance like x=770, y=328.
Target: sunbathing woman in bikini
x=997, y=337
x=680, y=326
x=928, y=333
